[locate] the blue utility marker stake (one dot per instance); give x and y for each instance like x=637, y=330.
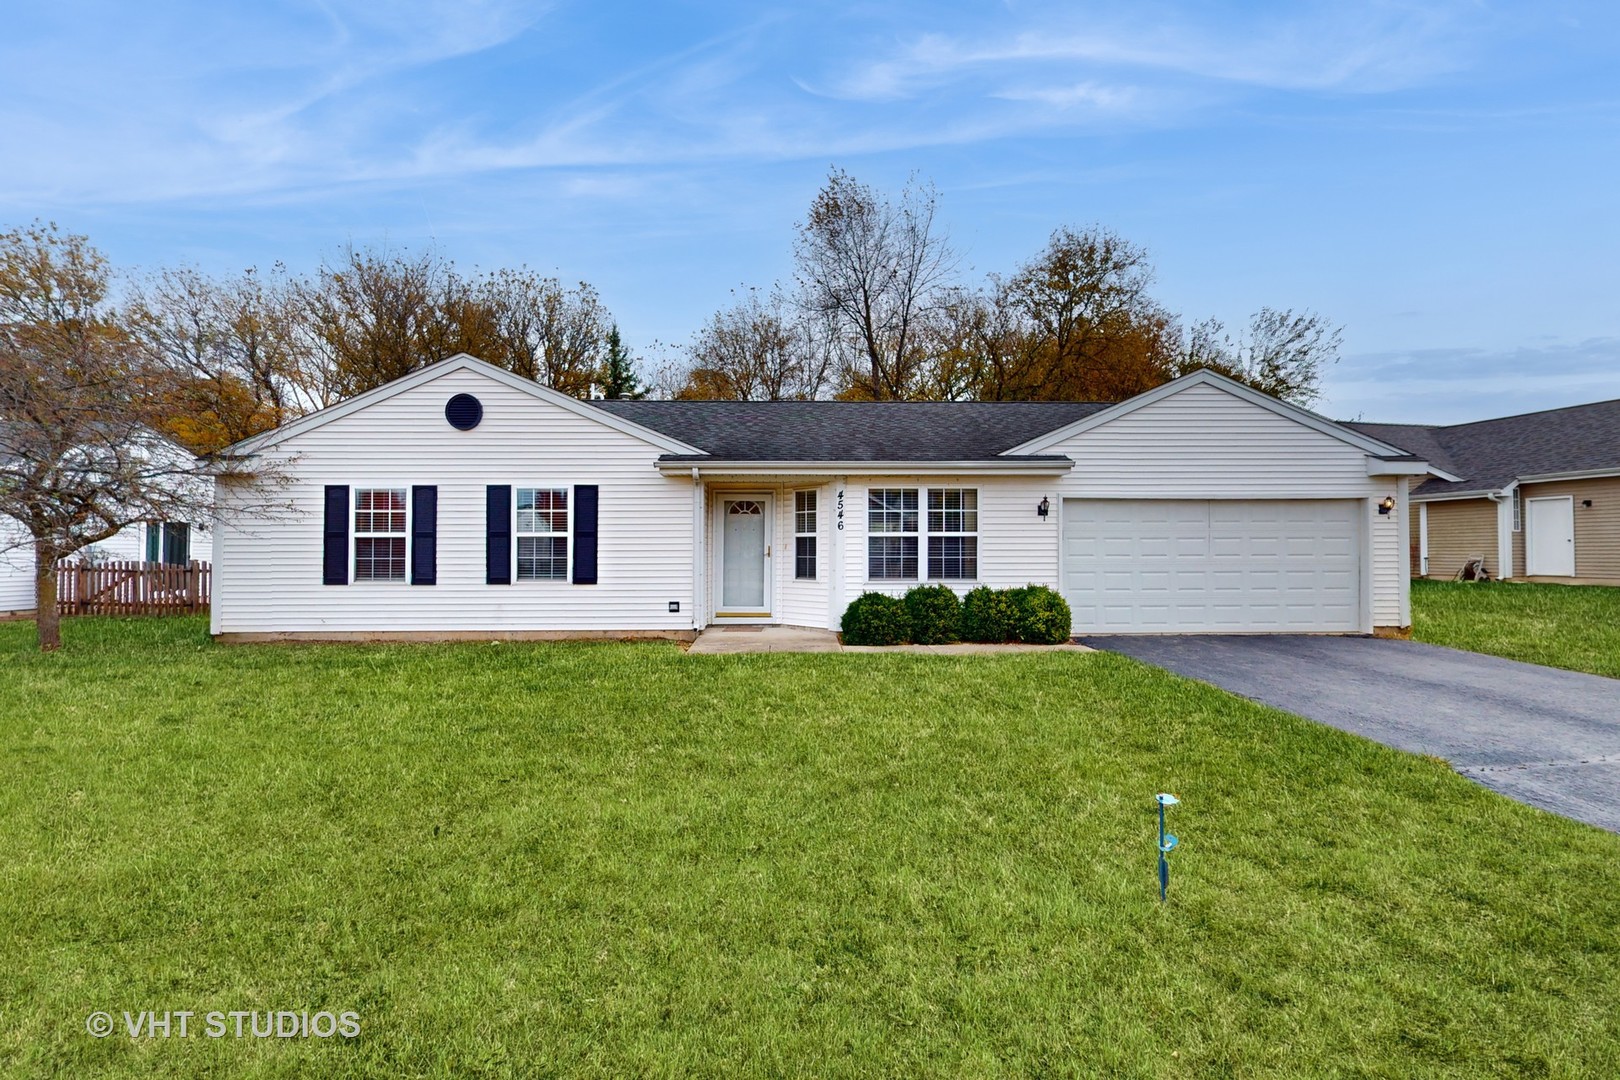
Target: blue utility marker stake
x=1167, y=844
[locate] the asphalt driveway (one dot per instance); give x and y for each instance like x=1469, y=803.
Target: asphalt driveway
x=1543, y=736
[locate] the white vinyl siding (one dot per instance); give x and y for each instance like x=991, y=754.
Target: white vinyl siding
x=803, y=601
x=268, y=571
x=1206, y=442
x=16, y=567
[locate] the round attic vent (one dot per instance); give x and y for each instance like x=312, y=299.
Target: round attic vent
x=463, y=411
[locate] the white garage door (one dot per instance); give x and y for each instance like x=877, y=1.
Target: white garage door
x=1212, y=567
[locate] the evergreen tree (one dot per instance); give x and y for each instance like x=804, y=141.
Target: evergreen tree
x=619, y=379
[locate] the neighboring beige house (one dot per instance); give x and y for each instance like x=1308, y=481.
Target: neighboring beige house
x=1536, y=496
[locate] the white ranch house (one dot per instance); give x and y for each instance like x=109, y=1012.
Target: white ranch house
x=167, y=543
x=464, y=501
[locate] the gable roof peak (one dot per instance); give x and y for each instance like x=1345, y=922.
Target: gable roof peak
x=437, y=370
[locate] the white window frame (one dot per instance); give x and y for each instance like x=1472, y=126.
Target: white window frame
x=812, y=534
x=355, y=535
x=566, y=534
x=923, y=534
x=901, y=534
x=1518, y=510
x=925, y=565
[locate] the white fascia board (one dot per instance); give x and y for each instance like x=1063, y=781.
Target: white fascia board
x=995, y=467
x=1206, y=377
x=459, y=362
x=1381, y=467
x=1586, y=474
x=1458, y=496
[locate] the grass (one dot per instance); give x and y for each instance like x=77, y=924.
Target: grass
x=617, y=860
x=1567, y=626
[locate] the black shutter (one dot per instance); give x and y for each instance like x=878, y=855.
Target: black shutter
x=585, y=534
x=498, y=534
x=335, y=555
x=424, y=535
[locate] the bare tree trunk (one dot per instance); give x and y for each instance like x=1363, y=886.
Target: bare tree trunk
x=46, y=619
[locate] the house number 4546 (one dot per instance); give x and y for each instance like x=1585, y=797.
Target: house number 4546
x=840, y=509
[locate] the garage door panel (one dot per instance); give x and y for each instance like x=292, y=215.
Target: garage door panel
x=1162, y=566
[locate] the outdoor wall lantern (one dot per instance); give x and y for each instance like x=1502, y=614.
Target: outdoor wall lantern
x=1045, y=507
x=1387, y=505
x=1587, y=503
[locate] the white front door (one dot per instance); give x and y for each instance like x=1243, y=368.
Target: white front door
x=745, y=538
x=1550, y=535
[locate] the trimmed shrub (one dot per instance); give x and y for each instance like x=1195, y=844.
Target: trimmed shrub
x=987, y=616
x=1040, y=615
x=935, y=614
x=875, y=619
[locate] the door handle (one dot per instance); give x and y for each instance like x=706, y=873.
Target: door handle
x=767, y=551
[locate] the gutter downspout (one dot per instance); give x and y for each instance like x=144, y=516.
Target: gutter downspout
x=698, y=559
x=1504, y=530
x=1404, y=525
x=1423, y=539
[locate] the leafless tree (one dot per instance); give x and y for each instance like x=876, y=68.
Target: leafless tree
x=1101, y=335
x=874, y=269
x=1283, y=353
x=759, y=349
x=80, y=406
x=371, y=316
x=555, y=336
x=230, y=347
x=981, y=346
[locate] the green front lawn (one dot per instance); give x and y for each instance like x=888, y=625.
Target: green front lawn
x=617, y=860
x=1567, y=626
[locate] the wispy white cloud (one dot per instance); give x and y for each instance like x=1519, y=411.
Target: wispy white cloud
x=1455, y=385
x=1347, y=47
x=1089, y=94
x=215, y=100
x=337, y=96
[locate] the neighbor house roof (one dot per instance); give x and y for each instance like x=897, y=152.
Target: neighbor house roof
x=1489, y=455
x=920, y=431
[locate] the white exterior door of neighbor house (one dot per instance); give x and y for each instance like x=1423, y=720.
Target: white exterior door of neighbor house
x=745, y=557
x=1550, y=536
x=1172, y=566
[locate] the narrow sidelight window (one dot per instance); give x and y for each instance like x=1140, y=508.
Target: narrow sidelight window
x=804, y=535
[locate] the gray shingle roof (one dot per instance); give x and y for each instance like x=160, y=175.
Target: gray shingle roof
x=1490, y=454
x=853, y=430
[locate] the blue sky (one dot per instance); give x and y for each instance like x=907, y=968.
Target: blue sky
x=1442, y=178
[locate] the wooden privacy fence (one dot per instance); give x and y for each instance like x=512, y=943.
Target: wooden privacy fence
x=132, y=588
